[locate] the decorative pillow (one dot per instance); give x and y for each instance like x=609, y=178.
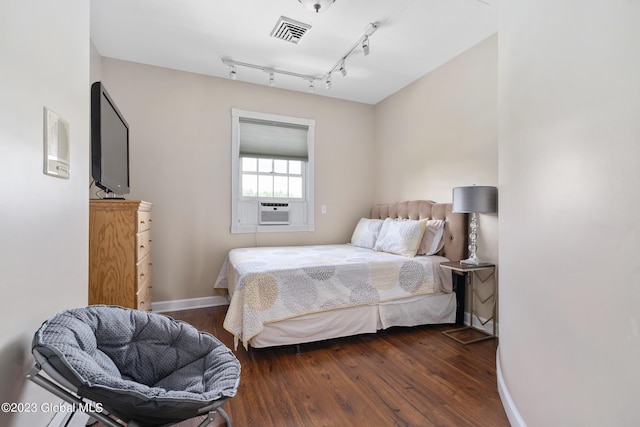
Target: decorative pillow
x=433, y=239
x=401, y=237
x=366, y=233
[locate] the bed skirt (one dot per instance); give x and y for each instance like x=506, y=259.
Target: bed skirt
x=436, y=308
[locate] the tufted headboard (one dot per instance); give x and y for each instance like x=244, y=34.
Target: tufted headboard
x=455, y=232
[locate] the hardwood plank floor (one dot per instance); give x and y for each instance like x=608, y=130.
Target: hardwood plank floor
x=398, y=377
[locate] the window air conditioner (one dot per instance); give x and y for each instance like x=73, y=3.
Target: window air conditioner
x=274, y=213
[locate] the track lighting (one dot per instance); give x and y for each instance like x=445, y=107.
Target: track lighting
x=343, y=69
x=363, y=42
x=271, y=71
x=327, y=81
x=365, y=45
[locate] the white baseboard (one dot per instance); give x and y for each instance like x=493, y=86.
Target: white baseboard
x=186, y=304
x=515, y=419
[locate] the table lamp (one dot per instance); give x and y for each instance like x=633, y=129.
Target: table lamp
x=474, y=200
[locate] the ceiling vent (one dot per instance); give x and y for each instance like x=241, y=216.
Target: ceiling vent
x=290, y=30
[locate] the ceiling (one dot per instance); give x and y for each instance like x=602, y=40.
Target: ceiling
x=413, y=38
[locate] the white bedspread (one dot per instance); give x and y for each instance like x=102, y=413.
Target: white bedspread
x=276, y=283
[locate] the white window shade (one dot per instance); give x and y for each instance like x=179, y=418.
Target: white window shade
x=261, y=138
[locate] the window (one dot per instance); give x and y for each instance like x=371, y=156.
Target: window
x=271, y=178
x=272, y=162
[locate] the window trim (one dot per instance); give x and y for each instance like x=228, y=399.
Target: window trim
x=236, y=197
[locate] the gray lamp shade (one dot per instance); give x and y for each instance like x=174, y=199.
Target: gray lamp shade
x=479, y=199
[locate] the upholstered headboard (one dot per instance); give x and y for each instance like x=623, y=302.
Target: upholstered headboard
x=455, y=232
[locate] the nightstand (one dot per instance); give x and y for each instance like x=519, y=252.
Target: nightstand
x=470, y=272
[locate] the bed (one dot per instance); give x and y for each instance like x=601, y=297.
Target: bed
x=388, y=275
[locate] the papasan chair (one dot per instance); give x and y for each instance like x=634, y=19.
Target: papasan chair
x=133, y=368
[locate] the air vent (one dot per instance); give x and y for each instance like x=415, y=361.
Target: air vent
x=289, y=30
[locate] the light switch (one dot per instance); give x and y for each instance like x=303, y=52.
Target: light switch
x=323, y=209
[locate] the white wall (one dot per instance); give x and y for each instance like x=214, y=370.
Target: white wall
x=569, y=158
x=180, y=128
x=44, y=48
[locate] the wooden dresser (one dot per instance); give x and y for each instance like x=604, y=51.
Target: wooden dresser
x=120, y=253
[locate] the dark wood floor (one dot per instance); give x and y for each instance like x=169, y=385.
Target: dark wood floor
x=399, y=377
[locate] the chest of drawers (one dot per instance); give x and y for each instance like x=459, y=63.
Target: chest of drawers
x=120, y=253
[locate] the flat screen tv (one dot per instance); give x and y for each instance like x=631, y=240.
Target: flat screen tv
x=109, y=144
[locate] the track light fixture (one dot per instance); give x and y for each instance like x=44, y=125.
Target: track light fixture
x=343, y=68
x=363, y=42
x=365, y=45
x=271, y=71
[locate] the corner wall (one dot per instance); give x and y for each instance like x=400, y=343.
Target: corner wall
x=44, y=47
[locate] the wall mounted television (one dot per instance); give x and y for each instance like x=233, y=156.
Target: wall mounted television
x=109, y=144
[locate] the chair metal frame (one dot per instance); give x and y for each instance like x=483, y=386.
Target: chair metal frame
x=64, y=390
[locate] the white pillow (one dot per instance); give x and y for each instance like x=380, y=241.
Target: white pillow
x=401, y=237
x=433, y=239
x=382, y=233
x=366, y=233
